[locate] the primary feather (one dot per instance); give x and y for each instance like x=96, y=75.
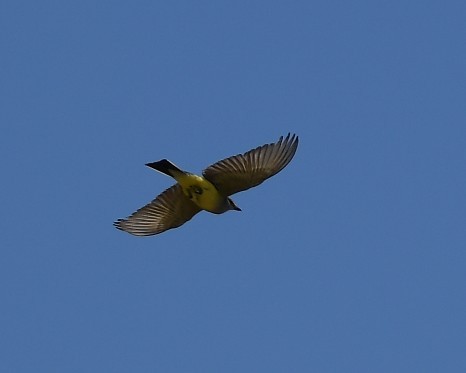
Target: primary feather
x=244, y=171
x=168, y=210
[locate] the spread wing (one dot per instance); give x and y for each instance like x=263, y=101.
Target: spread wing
x=244, y=171
x=169, y=210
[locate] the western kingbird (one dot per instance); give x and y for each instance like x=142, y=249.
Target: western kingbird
x=211, y=191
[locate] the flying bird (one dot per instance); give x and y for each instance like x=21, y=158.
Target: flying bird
x=193, y=193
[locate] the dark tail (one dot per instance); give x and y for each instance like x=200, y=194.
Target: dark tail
x=164, y=166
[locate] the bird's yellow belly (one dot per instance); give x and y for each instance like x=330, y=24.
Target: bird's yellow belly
x=203, y=193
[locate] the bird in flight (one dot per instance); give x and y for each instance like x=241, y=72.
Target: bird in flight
x=193, y=193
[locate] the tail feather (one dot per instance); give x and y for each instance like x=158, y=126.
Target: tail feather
x=165, y=166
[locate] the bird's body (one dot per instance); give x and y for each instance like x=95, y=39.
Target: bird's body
x=193, y=193
x=197, y=188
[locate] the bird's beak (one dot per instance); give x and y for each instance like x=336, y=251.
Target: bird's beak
x=232, y=205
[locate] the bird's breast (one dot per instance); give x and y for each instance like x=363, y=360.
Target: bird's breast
x=204, y=194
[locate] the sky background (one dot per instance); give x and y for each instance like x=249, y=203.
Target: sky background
x=352, y=259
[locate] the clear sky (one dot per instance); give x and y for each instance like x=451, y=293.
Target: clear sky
x=352, y=259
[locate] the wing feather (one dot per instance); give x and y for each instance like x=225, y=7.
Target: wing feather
x=168, y=210
x=244, y=171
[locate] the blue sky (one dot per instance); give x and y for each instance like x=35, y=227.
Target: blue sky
x=352, y=259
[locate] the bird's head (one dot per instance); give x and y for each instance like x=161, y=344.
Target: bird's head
x=232, y=206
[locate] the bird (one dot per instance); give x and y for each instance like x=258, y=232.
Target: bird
x=210, y=191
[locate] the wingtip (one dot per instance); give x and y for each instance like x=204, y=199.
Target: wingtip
x=291, y=138
x=117, y=224
x=294, y=138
